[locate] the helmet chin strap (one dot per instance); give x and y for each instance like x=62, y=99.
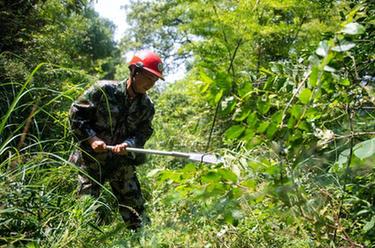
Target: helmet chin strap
x=132, y=81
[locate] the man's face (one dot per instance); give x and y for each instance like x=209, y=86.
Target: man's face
x=144, y=81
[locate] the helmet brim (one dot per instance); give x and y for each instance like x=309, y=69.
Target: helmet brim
x=156, y=73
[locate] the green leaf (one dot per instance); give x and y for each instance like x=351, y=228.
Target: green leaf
x=262, y=69
x=314, y=75
x=252, y=120
x=227, y=174
x=291, y=122
x=228, y=104
x=273, y=170
x=263, y=106
x=276, y=117
x=211, y=176
x=35, y=245
x=174, y=197
x=189, y=169
x=271, y=130
x=329, y=68
x=169, y=175
x=313, y=114
x=365, y=149
x=250, y=184
x=237, y=214
x=323, y=48
x=204, y=77
x=218, y=96
x=353, y=28
x=345, y=82
x=263, y=126
x=234, y=131
x=245, y=89
x=305, y=95
x=343, y=157
x=241, y=115
x=369, y=225
x=248, y=135
x=229, y=218
x=233, y=216
x=215, y=189
x=303, y=126
x=297, y=111
x=153, y=172
x=343, y=47
x=205, y=87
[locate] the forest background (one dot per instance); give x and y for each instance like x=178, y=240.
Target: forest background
x=283, y=90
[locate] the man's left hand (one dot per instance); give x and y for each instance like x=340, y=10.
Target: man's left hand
x=120, y=149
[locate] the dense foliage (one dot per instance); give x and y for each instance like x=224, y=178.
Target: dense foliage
x=283, y=90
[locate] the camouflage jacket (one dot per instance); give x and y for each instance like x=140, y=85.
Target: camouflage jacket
x=105, y=111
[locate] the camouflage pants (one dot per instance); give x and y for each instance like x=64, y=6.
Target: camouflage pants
x=120, y=175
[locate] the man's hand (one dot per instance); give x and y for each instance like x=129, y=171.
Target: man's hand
x=97, y=144
x=120, y=149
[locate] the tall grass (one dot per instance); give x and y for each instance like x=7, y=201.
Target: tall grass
x=38, y=200
x=240, y=203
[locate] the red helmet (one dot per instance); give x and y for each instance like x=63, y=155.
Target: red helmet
x=149, y=61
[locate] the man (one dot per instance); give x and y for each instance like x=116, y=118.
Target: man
x=117, y=114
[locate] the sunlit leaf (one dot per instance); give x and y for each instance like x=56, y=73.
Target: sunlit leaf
x=263, y=106
x=215, y=189
x=229, y=218
x=241, y=115
x=153, y=172
x=344, y=82
x=297, y=111
x=251, y=184
x=305, y=95
x=353, y=28
x=237, y=214
x=323, y=48
x=369, y=225
x=329, y=68
x=218, y=96
x=276, y=117
x=245, y=89
x=248, y=135
x=205, y=78
x=345, y=46
x=343, y=158
x=234, y=131
x=228, y=104
x=227, y=174
x=271, y=130
x=263, y=126
x=189, y=168
x=365, y=149
x=314, y=75
x=252, y=119
x=291, y=122
x=211, y=176
x=205, y=87
x=169, y=175
x=303, y=126
x=273, y=170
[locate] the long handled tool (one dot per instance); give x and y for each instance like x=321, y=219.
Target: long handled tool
x=199, y=157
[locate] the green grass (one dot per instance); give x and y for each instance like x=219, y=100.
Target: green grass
x=241, y=203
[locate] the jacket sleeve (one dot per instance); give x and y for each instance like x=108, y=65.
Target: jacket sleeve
x=143, y=132
x=139, y=138
x=82, y=115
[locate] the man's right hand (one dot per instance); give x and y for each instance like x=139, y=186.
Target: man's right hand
x=97, y=144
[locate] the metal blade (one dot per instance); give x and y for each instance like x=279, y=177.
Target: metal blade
x=199, y=157
x=205, y=158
